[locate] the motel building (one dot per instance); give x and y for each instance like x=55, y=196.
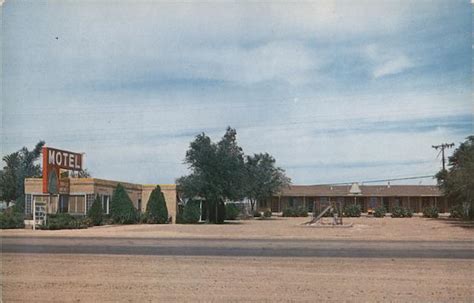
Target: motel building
x=369, y=197
x=76, y=196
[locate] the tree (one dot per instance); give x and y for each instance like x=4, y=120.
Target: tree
x=96, y=213
x=217, y=173
x=457, y=183
x=122, y=210
x=19, y=165
x=156, y=210
x=263, y=178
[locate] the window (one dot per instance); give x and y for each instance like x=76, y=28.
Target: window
x=28, y=200
x=105, y=203
x=373, y=202
x=63, y=203
x=90, y=200
x=291, y=202
x=77, y=204
x=324, y=202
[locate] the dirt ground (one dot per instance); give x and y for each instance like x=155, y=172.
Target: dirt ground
x=104, y=278
x=364, y=228
x=151, y=278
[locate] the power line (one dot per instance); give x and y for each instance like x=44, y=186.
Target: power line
x=380, y=180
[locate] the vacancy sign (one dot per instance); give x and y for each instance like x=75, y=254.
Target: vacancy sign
x=53, y=160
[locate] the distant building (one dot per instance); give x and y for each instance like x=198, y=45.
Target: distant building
x=78, y=194
x=415, y=197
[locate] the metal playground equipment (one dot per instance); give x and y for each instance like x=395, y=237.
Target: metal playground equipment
x=336, y=221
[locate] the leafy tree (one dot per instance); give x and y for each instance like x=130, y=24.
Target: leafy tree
x=457, y=182
x=19, y=165
x=263, y=178
x=156, y=210
x=217, y=173
x=122, y=210
x=96, y=213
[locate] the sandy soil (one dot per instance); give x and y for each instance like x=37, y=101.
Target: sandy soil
x=104, y=278
x=364, y=228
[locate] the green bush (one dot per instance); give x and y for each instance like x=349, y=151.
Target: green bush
x=63, y=221
x=352, y=210
x=401, y=212
x=380, y=212
x=456, y=211
x=156, y=207
x=96, y=213
x=122, y=210
x=295, y=212
x=231, y=211
x=430, y=212
x=191, y=213
x=11, y=219
x=267, y=213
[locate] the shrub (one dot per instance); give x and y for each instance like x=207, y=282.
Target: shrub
x=257, y=214
x=156, y=207
x=96, y=213
x=380, y=212
x=191, y=213
x=63, y=221
x=456, y=211
x=295, y=212
x=231, y=211
x=430, y=212
x=122, y=210
x=11, y=219
x=352, y=210
x=401, y=212
x=220, y=212
x=267, y=213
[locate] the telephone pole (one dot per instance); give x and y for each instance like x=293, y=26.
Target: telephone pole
x=443, y=147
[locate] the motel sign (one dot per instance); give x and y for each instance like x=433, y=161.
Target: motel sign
x=54, y=160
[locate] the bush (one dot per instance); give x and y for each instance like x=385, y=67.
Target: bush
x=430, y=212
x=122, y=210
x=267, y=213
x=295, y=212
x=401, y=212
x=11, y=219
x=63, y=221
x=380, y=212
x=96, y=213
x=257, y=214
x=352, y=210
x=156, y=207
x=191, y=213
x=231, y=211
x=457, y=211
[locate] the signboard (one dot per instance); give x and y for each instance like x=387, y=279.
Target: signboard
x=54, y=160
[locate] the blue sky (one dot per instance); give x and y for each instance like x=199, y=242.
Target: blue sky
x=336, y=91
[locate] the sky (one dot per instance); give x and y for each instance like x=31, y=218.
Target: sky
x=336, y=91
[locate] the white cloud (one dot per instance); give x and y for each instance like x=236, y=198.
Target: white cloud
x=393, y=66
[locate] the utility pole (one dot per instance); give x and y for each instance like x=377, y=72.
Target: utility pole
x=443, y=147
